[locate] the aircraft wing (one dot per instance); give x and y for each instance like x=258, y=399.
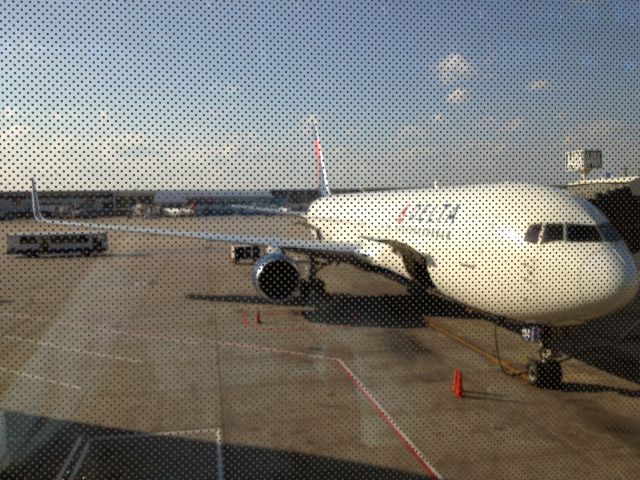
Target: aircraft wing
x=266, y=210
x=307, y=246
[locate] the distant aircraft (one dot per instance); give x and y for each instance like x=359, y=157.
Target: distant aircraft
x=178, y=212
x=532, y=254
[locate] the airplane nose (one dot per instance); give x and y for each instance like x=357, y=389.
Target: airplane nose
x=610, y=283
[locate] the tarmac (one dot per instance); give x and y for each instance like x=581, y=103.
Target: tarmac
x=159, y=360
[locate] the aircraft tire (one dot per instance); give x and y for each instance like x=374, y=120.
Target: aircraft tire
x=546, y=375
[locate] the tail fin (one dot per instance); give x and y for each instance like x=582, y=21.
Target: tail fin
x=35, y=203
x=323, y=180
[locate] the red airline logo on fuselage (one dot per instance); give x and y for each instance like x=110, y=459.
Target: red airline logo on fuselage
x=403, y=213
x=429, y=213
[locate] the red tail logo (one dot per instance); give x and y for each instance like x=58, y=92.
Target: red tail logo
x=403, y=213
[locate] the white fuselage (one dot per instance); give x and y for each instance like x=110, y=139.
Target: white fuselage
x=473, y=239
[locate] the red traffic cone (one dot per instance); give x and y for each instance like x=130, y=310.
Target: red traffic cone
x=456, y=386
x=258, y=318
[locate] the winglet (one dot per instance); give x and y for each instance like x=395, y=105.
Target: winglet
x=323, y=186
x=35, y=203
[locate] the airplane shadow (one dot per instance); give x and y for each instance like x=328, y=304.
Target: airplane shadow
x=610, y=344
x=572, y=387
x=596, y=343
x=385, y=311
x=495, y=397
x=43, y=447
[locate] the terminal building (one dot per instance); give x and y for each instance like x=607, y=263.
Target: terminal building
x=83, y=203
x=618, y=198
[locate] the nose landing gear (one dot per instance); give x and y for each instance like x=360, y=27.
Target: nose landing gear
x=546, y=372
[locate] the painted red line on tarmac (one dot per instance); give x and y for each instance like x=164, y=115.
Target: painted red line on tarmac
x=274, y=329
x=382, y=413
x=378, y=408
x=268, y=328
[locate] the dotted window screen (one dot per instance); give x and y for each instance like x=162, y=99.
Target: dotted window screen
x=319, y=239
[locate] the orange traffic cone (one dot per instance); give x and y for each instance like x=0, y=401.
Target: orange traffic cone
x=258, y=318
x=456, y=386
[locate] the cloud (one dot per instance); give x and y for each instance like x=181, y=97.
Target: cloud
x=67, y=114
x=412, y=130
x=123, y=147
x=459, y=95
x=453, y=67
x=438, y=118
x=539, y=84
x=339, y=151
x=487, y=122
x=9, y=112
x=14, y=132
x=413, y=153
x=512, y=125
x=228, y=87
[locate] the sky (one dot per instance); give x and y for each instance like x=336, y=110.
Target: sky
x=162, y=95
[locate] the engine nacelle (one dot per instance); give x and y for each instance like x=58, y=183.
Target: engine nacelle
x=276, y=276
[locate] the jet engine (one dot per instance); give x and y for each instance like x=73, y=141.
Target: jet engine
x=276, y=276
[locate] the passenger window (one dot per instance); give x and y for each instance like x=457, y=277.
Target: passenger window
x=533, y=233
x=583, y=233
x=553, y=232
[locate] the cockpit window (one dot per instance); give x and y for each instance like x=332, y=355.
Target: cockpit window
x=609, y=234
x=553, y=232
x=533, y=233
x=583, y=233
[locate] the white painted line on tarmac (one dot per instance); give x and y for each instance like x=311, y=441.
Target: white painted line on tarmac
x=408, y=444
x=102, y=438
x=80, y=461
x=186, y=432
x=133, y=333
x=67, y=463
x=382, y=413
x=31, y=376
x=72, y=349
x=219, y=456
x=26, y=318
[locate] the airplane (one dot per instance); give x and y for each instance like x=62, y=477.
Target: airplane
x=536, y=255
x=178, y=212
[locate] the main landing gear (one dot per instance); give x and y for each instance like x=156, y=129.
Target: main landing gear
x=547, y=371
x=313, y=286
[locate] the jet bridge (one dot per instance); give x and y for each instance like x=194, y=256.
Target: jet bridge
x=619, y=200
